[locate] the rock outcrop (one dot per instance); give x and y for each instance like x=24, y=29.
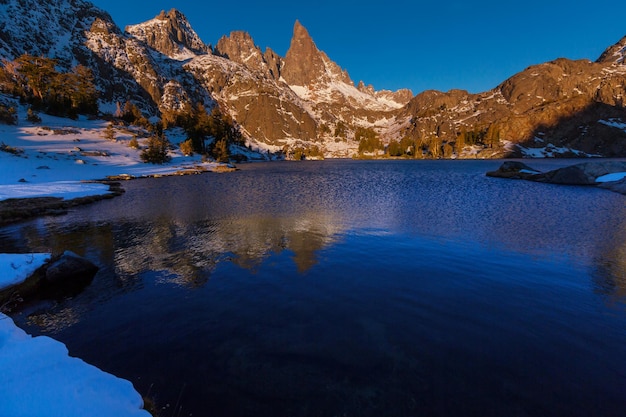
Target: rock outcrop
x=239, y=47
x=615, y=54
x=587, y=173
x=304, y=64
x=65, y=274
x=70, y=270
x=171, y=34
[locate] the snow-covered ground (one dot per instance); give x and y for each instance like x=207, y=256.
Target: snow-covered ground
x=39, y=378
x=56, y=156
x=14, y=269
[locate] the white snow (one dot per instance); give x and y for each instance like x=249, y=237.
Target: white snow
x=331, y=90
x=63, y=189
x=15, y=268
x=56, y=157
x=549, y=151
x=615, y=176
x=616, y=123
x=37, y=376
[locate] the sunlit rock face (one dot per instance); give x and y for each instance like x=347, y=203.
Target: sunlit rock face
x=305, y=64
x=171, y=34
x=560, y=108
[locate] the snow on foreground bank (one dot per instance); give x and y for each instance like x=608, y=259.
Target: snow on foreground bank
x=15, y=268
x=52, y=158
x=39, y=379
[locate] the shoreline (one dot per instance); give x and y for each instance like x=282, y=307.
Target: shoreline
x=13, y=210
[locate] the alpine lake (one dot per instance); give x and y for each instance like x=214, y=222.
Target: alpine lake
x=348, y=288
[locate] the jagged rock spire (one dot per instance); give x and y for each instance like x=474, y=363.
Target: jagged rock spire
x=171, y=34
x=304, y=63
x=239, y=47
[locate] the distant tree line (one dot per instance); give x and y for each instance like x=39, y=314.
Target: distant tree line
x=300, y=153
x=433, y=146
x=368, y=139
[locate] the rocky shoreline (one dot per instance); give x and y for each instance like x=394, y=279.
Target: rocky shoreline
x=602, y=174
x=18, y=209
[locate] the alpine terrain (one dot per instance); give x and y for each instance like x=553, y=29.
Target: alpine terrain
x=303, y=105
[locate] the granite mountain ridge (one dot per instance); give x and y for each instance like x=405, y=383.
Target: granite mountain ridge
x=305, y=100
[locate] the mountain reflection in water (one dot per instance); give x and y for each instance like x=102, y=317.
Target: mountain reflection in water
x=349, y=288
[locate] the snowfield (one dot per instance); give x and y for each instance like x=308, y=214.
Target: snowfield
x=616, y=176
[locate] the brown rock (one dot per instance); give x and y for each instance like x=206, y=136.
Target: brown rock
x=305, y=64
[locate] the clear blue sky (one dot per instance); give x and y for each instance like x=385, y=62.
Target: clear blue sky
x=421, y=45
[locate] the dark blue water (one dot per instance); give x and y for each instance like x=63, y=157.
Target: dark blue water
x=349, y=288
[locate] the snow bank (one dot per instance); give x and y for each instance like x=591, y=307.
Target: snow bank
x=38, y=378
x=616, y=176
x=15, y=268
x=63, y=189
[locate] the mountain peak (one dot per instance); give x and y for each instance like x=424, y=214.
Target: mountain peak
x=239, y=47
x=300, y=31
x=173, y=15
x=615, y=54
x=305, y=64
x=171, y=34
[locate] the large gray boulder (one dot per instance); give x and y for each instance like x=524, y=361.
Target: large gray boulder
x=70, y=270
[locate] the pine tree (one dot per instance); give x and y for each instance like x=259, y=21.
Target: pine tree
x=83, y=93
x=220, y=151
x=156, y=152
x=39, y=74
x=109, y=133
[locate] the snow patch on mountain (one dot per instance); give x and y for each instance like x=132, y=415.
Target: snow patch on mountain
x=616, y=123
x=551, y=151
x=52, y=28
x=336, y=90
